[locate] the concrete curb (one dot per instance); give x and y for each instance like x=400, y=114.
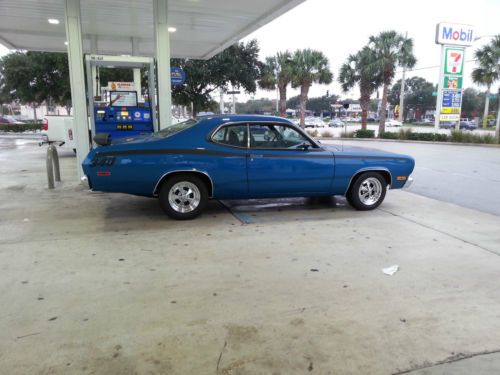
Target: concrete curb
x=410, y=141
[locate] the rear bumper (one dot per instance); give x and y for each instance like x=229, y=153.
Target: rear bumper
x=408, y=182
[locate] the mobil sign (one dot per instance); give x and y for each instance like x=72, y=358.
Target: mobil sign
x=454, y=34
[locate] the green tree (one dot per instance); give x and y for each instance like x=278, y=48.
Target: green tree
x=238, y=66
x=257, y=106
x=360, y=69
x=418, y=94
x=309, y=66
x=391, y=50
x=34, y=77
x=277, y=73
x=488, y=70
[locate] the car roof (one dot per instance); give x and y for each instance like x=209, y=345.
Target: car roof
x=220, y=119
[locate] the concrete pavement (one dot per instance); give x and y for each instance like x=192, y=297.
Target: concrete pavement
x=105, y=284
x=468, y=176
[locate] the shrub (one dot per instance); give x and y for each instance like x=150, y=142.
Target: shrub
x=389, y=135
x=327, y=134
x=349, y=134
x=312, y=132
x=364, y=133
x=19, y=128
x=405, y=133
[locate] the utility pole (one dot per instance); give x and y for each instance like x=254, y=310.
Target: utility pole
x=402, y=93
x=221, y=102
x=233, y=92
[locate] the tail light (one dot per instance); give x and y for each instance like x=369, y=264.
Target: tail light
x=45, y=124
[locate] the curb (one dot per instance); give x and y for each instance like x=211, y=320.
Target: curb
x=490, y=145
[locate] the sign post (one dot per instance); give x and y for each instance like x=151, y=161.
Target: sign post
x=453, y=39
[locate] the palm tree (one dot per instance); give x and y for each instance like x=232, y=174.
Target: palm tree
x=309, y=66
x=277, y=72
x=488, y=70
x=359, y=69
x=391, y=50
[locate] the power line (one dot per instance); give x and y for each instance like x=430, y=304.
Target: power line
x=428, y=67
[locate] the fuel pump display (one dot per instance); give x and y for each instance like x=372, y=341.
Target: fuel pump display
x=123, y=117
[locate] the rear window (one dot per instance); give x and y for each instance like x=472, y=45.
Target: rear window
x=176, y=128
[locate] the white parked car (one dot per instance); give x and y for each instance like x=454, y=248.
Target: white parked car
x=314, y=122
x=393, y=122
x=336, y=123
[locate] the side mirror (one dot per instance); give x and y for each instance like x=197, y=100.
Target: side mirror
x=304, y=146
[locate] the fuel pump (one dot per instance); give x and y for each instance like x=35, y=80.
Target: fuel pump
x=119, y=112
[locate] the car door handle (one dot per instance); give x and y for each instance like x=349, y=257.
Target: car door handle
x=252, y=156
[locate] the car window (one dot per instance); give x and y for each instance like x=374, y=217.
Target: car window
x=276, y=136
x=176, y=128
x=232, y=135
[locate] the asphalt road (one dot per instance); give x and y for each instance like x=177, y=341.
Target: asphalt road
x=468, y=176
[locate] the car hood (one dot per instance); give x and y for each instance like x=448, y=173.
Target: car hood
x=356, y=150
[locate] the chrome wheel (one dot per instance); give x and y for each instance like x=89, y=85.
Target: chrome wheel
x=184, y=197
x=370, y=191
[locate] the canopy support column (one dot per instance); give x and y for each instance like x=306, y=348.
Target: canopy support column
x=137, y=72
x=77, y=81
x=162, y=45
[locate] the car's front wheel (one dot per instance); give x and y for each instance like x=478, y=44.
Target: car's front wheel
x=368, y=191
x=183, y=197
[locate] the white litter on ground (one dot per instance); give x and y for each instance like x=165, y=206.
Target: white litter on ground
x=26, y=220
x=391, y=270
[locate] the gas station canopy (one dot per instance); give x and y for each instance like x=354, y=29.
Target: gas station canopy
x=202, y=27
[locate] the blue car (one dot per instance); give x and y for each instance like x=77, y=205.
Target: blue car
x=240, y=157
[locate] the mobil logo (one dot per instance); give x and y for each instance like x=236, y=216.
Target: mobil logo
x=454, y=34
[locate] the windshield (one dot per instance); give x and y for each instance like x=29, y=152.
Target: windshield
x=176, y=128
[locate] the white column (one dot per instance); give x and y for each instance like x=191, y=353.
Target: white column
x=93, y=51
x=77, y=81
x=137, y=72
x=162, y=41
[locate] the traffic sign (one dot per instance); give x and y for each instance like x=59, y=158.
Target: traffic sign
x=177, y=76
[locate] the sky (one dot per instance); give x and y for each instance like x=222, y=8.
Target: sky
x=340, y=28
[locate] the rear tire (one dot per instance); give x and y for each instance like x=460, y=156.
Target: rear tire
x=183, y=197
x=367, y=192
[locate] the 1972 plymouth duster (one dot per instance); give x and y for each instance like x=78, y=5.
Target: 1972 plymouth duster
x=239, y=157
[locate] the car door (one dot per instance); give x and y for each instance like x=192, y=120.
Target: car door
x=229, y=161
x=283, y=161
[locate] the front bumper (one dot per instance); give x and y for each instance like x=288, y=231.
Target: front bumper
x=408, y=182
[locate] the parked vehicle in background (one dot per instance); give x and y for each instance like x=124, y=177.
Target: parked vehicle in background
x=9, y=120
x=464, y=125
x=314, y=122
x=393, y=122
x=59, y=130
x=336, y=123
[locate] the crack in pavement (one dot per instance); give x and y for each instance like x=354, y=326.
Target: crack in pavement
x=454, y=358
x=440, y=231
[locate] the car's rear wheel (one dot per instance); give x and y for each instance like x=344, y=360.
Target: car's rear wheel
x=183, y=197
x=367, y=192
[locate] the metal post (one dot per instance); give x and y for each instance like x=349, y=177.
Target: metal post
x=439, y=90
x=221, y=102
x=77, y=80
x=497, y=128
x=137, y=72
x=402, y=92
x=52, y=162
x=93, y=51
x=162, y=42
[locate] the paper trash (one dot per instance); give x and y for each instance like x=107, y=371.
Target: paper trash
x=391, y=270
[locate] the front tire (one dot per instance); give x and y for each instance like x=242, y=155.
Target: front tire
x=367, y=192
x=183, y=197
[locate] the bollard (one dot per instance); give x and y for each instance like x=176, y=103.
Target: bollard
x=52, y=162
